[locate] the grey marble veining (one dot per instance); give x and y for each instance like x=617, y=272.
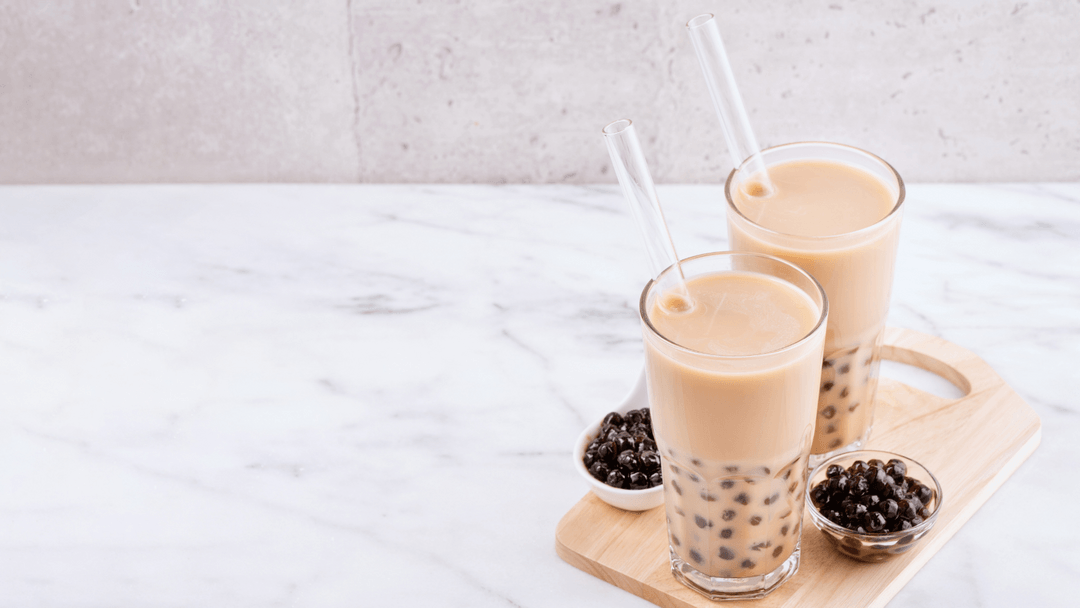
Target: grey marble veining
x=367, y=395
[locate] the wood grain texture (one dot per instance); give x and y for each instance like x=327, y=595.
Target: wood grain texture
x=972, y=444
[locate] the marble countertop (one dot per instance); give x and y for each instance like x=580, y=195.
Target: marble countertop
x=366, y=395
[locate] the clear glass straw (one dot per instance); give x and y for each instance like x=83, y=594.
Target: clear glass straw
x=637, y=186
x=725, y=95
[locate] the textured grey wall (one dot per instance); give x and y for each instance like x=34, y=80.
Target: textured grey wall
x=506, y=91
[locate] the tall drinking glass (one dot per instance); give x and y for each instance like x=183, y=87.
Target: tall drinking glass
x=733, y=386
x=835, y=213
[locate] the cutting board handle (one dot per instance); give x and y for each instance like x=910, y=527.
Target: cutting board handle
x=957, y=365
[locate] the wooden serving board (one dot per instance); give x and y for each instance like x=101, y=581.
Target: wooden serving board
x=972, y=444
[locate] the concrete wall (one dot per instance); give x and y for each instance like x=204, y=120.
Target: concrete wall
x=517, y=92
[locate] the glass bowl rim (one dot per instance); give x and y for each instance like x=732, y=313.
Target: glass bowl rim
x=823, y=523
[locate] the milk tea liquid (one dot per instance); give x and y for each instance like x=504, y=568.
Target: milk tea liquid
x=815, y=200
x=734, y=434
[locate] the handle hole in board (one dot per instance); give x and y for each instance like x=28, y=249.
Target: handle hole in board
x=924, y=380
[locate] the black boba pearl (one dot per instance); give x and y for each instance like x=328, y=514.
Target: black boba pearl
x=675, y=486
x=624, y=441
x=855, y=511
x=638, y=481
x=876, y=476
x=924, y=512
x=655, y=479
x=924, y=494
x=616, y=479
x=871, y=501
x=858, y=467
x=607, y=452
x=694, y=555
x=834, y=470
x=828, y=412
x=742, y=499
x=728, y=515
x=650, y=461
x=904, y=525
x=889, y=508
x=726, y=533
x=899, y=467
x=916, y=520
x=818, y=495
x=647, y=446
x=599, y=470
x=843, y=483
x=826, y=387
x=875, y=521
x=747, y=564
x=727, y=484
x=907, y=509
x=700, y=521
x=628, y=461
x=726, y=553
x=859, y=486
x=876, y=462
x=632, y=417
x=646, y=416
x=594, y=445
x=614, y=419
x=589, y=459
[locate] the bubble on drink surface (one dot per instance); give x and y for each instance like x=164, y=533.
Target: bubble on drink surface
x=674, y=302
x=755, y=188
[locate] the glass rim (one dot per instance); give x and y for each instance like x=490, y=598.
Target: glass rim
x=901, y=194
x=822, y=317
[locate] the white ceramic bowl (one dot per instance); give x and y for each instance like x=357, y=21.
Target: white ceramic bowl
x=630, y=500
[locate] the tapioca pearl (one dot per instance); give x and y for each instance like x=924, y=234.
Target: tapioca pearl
x=755, y=520
x=830, y=429
x=726, y=553
x=709, y=497
x=746, y=563
x=678, y=511
x=775, y=497
x=675, y=486
x=701, y=522
x=728, y=515
x=727, y=484
x=749, y=480
x=826, y=387
x=693, y=478
x=726, y=533
x=791, y=489
x=784, y=530
x=766, y=470
x=827, y=363
x=785, y=515
x=675, y=541
x=835, y=443
x=732, y=468
x=694, y=555
x=674, y=469
x=742, y=499
x=845, y=368
x=853, y=406
x=868, y=361
x=696, y=462
x=778, y=550
x=844, y=392
x=761, y=546
x=787, y=474
x=828, y=412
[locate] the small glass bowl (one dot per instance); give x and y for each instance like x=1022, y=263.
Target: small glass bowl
x=874, y=547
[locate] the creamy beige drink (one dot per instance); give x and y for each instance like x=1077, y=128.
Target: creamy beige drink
x=835, y=212
x=733, y=386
